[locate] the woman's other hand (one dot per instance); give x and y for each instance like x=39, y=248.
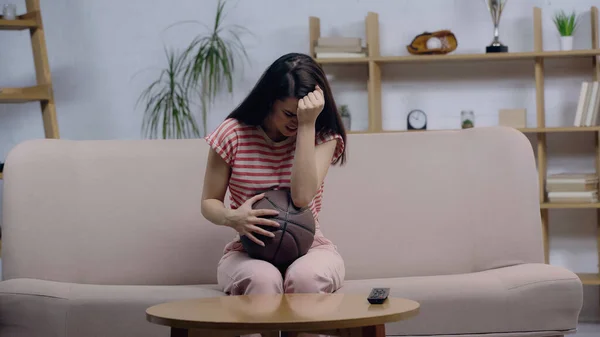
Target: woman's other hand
x=244, y=219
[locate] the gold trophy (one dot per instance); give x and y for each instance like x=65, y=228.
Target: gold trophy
x=495, y=7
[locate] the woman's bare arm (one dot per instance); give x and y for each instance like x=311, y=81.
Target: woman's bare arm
x=216, y=179
x=311, y=163
x=243, y=219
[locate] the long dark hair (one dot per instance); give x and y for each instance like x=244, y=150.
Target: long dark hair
x=291, y=75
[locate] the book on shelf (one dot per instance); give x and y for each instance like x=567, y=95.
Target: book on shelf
x=573, y=197
x=572, y=187
x=340, y=47
x=588, y=105
x=572, y=177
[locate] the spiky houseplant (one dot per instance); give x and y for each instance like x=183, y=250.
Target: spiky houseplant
x=204, y=68
x=167, y=109
x=346, y=118
x=344, y=112
x=565, y=23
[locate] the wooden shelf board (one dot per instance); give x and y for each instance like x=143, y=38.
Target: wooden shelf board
x=465, y=57
x=488, y=57
x=454, y=57
x=26, y=21
x=349, y=60
x=562, y=129
x=524, y=130
x=22, y=95
x=547, y=205
x=569, y=53
x=589, y=279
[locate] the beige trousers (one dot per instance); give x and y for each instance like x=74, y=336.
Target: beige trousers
x=321, y=270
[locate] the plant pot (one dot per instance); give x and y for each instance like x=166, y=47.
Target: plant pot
x=347, y=122
x=566, y=43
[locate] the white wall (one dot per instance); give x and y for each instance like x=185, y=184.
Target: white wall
x=103, y=53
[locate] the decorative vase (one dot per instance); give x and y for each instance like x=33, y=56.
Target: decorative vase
x=566, y=43
x=9, y=12
x=467, y=118
x=347, y=122
x=346, y=119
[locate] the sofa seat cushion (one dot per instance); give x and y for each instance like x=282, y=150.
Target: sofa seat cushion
x=44, y=308
x=522, y=298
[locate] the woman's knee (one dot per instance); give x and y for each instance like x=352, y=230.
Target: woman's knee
x=265, y=280
x=240, y=275
x=296, y=282
x=319, y=271
x=304, y=279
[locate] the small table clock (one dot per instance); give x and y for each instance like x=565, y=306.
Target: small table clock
x=416, y=120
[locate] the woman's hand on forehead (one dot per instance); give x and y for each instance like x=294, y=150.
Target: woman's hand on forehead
x=310, y=106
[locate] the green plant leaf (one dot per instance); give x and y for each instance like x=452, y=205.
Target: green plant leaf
x=566, y=24
x=212, y=62
x=202, y=69
x=167, y=108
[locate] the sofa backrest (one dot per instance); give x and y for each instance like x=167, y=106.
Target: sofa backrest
x=405, y=204
x=433, y=203
x=109, y=212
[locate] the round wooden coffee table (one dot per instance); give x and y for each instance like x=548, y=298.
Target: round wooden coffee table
x=327, y=314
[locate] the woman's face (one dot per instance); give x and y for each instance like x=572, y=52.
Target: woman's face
x=283, y=121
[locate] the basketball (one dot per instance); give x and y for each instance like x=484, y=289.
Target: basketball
x=292, y=239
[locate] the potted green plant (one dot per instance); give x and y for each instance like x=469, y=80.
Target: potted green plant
x=346, y=118
x=200, y=71
x=566, y=24
x=167, y=111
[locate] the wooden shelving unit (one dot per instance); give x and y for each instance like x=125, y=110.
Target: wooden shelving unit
x=548, y=205
x=42, y=92
x=374, y=60
x=24, y=95
x=26, y=21
x=524, y=130
x=461, y=57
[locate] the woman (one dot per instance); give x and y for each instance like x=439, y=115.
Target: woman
x=285, y=134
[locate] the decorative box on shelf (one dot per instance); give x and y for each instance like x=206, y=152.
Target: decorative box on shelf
x=516, y=118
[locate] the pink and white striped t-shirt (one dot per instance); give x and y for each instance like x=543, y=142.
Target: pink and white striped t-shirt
x=259, y=164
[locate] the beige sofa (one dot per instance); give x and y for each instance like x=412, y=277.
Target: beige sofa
x=94, y=232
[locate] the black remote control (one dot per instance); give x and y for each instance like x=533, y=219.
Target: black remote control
x=378, y=295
